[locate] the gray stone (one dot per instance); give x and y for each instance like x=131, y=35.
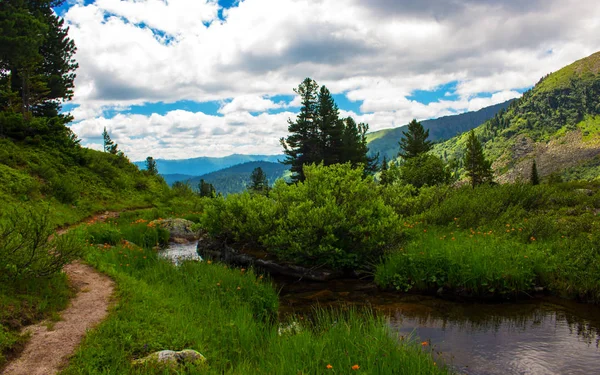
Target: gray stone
x=180, y=230
x=171, y=358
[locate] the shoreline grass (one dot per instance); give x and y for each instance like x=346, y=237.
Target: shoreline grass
x=229, y=315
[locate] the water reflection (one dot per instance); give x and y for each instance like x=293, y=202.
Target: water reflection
x=548, y=336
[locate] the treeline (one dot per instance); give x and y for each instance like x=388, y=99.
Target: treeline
x=319, y=135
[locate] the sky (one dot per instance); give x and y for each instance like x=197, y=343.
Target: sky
x=176, y=79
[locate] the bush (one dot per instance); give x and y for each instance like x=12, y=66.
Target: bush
x=335, y=218
x=25, y=248
x=424, y=170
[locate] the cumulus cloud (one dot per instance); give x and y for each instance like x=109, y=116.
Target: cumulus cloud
x=134, y=52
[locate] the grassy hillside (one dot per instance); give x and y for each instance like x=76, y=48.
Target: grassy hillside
x=386, y=141
x=73, y=181
x=557, y=123
x=235, y=179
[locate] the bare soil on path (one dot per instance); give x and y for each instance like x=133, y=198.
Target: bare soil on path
x=48, y=350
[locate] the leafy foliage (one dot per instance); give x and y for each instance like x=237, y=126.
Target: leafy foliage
x=424, y=169
x=25, y=250
x=333, y=218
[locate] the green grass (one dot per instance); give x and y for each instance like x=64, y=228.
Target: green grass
x=484, y=263
x=230, y=316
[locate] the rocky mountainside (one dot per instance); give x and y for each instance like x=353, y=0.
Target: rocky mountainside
x=557, y=124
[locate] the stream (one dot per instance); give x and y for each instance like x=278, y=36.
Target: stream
x=538, y=336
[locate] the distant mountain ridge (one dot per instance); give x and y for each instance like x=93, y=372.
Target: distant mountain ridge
x=235, y=179
x=203, y=165
x=557, y=124
x=386, y=141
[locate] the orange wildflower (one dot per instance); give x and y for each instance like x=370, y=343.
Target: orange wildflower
x=355, y=367
x=424, y=343
x=329, y=367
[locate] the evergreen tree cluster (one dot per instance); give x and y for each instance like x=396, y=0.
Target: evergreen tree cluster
x=37, y=69
x=319, y=135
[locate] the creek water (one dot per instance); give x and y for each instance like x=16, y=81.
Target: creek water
x=537, y=336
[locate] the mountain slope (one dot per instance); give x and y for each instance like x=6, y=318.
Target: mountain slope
x=557, y=123
x=235, y=179
x=386, y=141
x=203, y=165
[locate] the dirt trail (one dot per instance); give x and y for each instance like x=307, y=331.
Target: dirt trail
x=47, y=351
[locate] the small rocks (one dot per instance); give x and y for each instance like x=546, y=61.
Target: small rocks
x=171, y=359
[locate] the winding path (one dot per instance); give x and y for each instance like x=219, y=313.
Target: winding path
x=48, y=350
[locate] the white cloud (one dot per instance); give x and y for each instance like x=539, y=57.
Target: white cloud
x=143, y=51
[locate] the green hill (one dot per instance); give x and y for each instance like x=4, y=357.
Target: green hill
x=73, y=181
x=557, y=123
x=386, y=141
x=235, y=179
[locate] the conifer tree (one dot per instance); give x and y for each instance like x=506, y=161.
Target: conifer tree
x=258, y=181
x=383, y=176
x=109, y=145
x=206, y=189
x=331, y=128
x=301, y=146
x=534, y=177
x=479, y=170
x=414, y=141
x=151, y=166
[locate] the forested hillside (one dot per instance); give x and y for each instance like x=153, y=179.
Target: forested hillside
x=237, y=178
x=385, y=142
x=557, y=124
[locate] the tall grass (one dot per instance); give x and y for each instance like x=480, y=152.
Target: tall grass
x=487, y=263
x=230, y=316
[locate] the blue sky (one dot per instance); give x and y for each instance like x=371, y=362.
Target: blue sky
x=187, y=78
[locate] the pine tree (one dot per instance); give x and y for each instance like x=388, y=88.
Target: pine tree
x=534, y=177
x=151, y=166
x=414, y=141
x=330, y=127
x=383, y=176
x=479, y=170
x=36, y=58
x=109, y=145
x=301, y=146
x=206, y=189
x=258, y=181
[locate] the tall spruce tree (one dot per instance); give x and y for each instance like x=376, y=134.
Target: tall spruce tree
x=301, y=146
x=479, y=170
x=414, y=141
x=206, y=189
x=534, y=177
x=330, y=127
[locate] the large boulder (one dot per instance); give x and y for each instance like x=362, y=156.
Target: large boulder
x=180, y=229
x=171, y=359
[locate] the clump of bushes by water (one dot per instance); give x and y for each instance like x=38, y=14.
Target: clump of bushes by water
x=335, y=218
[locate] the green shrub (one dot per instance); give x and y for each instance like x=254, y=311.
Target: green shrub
x=25, y=249
x=335, y=218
